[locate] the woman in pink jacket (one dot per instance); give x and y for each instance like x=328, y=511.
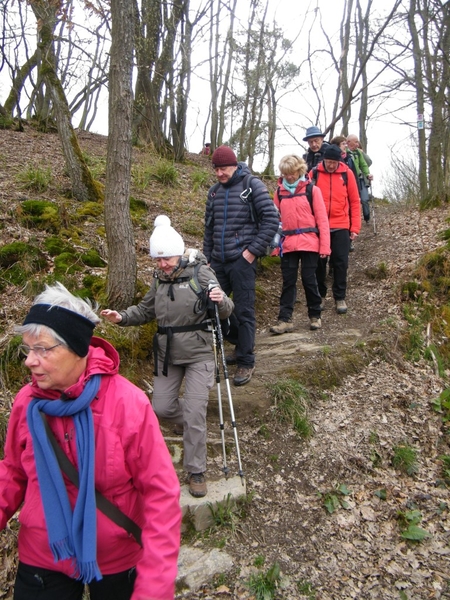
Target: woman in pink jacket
x=305, y=237
x=107, y=429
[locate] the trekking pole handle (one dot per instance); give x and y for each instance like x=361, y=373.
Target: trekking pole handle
x=212, y=285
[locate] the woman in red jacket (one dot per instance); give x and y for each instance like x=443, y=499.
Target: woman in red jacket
x=305, y=237
x=107, y=429
x=341, y=196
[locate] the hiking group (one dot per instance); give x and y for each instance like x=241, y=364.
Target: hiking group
x=85, y=459
x=318, y=198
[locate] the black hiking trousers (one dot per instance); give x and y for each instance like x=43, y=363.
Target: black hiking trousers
x=34, y=583
x=340, y=248
x=308, y=262
x=239, y=276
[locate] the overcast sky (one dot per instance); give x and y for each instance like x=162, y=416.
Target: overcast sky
x=385, y=132
x=388, y=132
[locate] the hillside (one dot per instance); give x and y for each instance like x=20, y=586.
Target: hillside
x=364, y=400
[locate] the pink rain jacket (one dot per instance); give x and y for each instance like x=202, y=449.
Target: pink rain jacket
x=133, y=469
x=296, y=213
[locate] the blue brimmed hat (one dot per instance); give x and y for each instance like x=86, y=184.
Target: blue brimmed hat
x=312, y=132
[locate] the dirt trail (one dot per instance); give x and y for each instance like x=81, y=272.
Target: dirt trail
x=367, y=306
x=357, y=551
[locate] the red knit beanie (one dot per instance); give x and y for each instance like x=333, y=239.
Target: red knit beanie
x=223, y=156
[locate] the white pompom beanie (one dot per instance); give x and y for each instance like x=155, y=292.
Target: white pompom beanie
x=165, y=241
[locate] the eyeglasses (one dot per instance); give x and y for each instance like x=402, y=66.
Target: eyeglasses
x=39, y=350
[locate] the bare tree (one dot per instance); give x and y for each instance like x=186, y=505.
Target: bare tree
x=83, y=185
x=156, y=30
x=420, y=96
x=429, y=25
x=220, y=67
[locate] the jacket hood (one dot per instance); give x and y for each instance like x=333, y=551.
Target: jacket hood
x=102, y=359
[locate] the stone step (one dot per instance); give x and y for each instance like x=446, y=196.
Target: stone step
x=199, y=511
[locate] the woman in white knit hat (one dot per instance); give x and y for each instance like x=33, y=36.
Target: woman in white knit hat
x=183, y=342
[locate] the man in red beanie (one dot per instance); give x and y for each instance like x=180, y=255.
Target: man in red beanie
x=240, y=222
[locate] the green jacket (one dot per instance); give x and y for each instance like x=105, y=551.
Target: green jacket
x=360, y=162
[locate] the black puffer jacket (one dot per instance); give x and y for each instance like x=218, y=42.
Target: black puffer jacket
x=230, y=227
x=312, y=159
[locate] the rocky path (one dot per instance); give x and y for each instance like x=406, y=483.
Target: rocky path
x=357, y=550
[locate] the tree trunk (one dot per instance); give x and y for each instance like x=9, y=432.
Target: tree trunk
x=119, y=230
x=420, y=98
x=362, y=42
x=13, y=100
x=83, y=186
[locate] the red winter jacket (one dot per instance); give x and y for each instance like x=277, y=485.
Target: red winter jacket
x=341, y=200
x=296, y=213
x=133, y=469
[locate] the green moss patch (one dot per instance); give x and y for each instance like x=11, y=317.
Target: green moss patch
x=92, y=258
x=56, y=245
x=89, y=209
x=41, y=214
x=19, y=261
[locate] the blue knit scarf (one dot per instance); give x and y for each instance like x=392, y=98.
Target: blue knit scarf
x=71, y=536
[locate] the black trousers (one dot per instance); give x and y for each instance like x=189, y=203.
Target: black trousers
x=239, y=277
x=289, y=270
x=340, y=248
x=34, y=583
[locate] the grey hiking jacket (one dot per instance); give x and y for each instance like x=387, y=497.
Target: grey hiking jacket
x=173, y=302
x=231, y=226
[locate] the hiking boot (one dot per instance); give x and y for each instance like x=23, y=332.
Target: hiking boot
x=315, y=323
x=282, y=327
x=341, y=307
x=197, y=485
x=231, y=359
x=243, y=375
x=178, y=429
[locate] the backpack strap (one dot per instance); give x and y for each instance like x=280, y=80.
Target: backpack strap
x=301, y=230
x=194, y=283
x=211, y=194
x=246, y=196
x=308, y=193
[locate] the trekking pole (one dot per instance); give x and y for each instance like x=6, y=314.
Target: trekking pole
x=219, y=399
x=227, y=383
x=372, y=201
